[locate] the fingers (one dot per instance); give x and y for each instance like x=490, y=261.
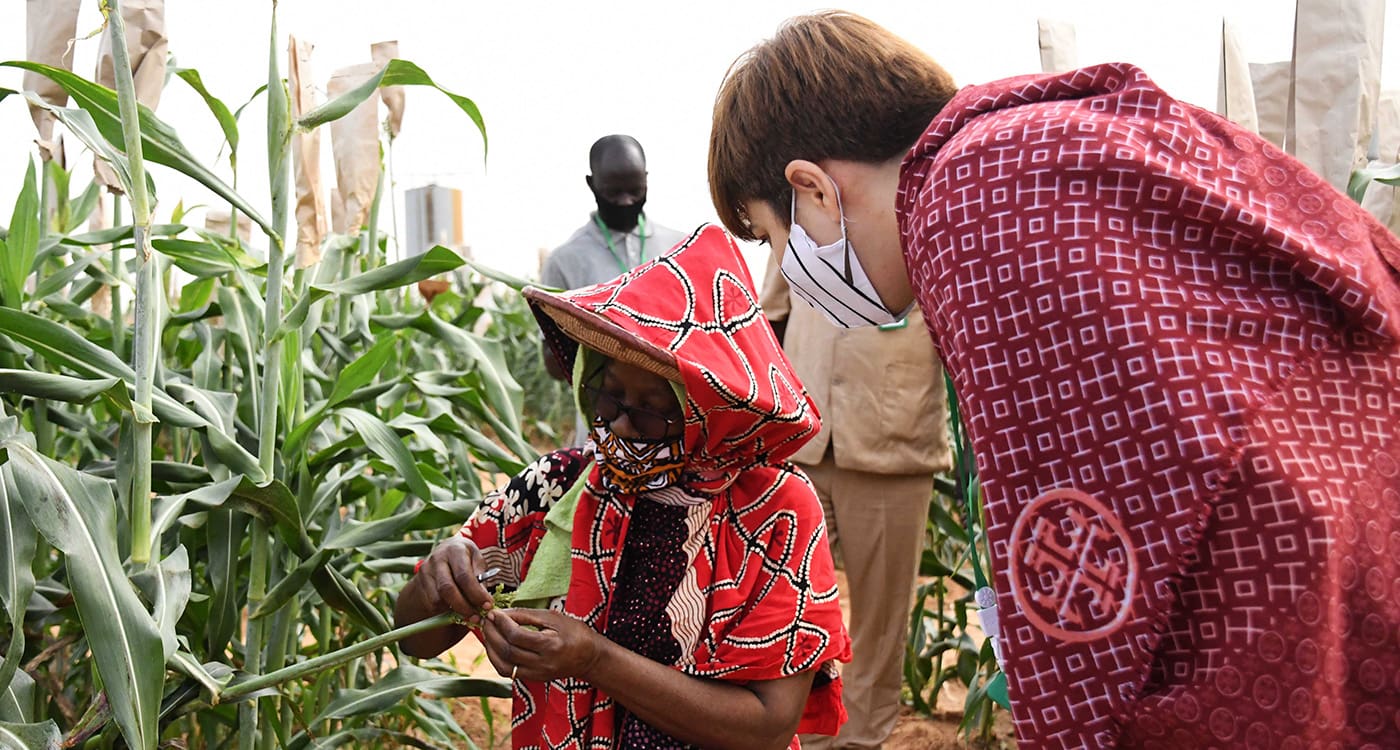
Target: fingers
x=499, y=651
x=474, y=596
x=427, y=589
x=510, y=624
x=449, y=581
x=443, y=581
x=538, y=618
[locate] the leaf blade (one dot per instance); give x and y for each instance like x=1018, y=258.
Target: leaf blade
x=74, y=512
x=22, y=243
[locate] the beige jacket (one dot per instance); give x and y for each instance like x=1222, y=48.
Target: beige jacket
x=881, y=392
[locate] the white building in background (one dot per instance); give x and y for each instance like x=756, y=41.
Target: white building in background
x=434, y=216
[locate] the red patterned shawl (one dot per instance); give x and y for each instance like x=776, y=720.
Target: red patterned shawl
x=759, y=601
x=1176, y=349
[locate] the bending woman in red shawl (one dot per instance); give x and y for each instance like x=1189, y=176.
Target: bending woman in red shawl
x=673, y=583
x=1178, y=354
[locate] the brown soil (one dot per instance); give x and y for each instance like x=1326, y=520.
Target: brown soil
x=912, y=732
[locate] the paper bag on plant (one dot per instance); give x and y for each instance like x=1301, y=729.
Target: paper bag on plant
x=1336, y=83
x=1235, y=95
x=393, y=96
x=50, y=26
x=1269, y=82
x=306, y=157
x=355, y=144
x=1058, y=49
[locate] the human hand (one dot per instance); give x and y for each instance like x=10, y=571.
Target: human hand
x=448, y=579
x=560, y=647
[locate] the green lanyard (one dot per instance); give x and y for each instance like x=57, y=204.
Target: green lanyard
x=641, y=237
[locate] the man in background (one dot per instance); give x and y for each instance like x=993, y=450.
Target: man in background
x=616, y=238
x=884, y=435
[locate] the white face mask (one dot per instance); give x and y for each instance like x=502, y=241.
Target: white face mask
x=831, y=279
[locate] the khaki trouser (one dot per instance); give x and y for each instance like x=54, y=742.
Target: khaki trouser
x=876, y=524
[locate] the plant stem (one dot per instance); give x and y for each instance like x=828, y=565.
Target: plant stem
x=43, y=428
x=145, y=345
x=118, y=316
x=373, y=229
x=323, y=640
x=347, y=266
x=321, y=663
x=253, y=643
x=255, y=728
x=278, y=164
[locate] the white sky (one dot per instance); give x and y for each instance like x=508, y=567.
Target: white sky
x=551, y=77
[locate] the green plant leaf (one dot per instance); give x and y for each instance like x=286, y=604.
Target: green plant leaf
x=1362, y=178
x=204, y=259
x=200, y=409
x=75, y=513
x=392, y=276
x=80, y=209
x=386, y=444
x=17, y=699
x=362, y=371
x=213, y=676
x=227, y=122
x=174, y=585
x=224, y=535
x=272, y=501
x=395, y=73
x=996, y=690
x=57, y=281
x=18, y=537
x=82, y=125
x=22, y=243
x=487, y=360
x=159, y=142
x=340, y=593
x=195, y=300
x=291, y=584
x=119, y=234
x=64, y=388
x=43, y=736
x=356, y=534
x=399, y=684
x=356, y=375
x=481, y=446
x=514, y=282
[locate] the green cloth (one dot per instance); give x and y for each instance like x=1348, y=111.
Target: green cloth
x=548, y=576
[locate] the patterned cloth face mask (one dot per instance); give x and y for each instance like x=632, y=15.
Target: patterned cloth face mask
x=830, y=277
x=636, y=466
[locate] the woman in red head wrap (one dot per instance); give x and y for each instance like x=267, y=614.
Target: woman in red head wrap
x=688, y=596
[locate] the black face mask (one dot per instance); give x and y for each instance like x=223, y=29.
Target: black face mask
x=619, y=218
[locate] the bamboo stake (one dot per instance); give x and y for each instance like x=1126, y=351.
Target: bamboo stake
x=145, y=344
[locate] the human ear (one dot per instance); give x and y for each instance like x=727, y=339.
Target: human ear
x=813, y=183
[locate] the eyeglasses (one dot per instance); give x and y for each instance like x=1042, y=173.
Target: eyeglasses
x=649, y=424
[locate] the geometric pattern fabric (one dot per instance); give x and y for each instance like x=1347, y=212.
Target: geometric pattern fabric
x=1178, y=355
x=758, y=599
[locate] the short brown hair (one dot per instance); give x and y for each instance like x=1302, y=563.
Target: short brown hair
x=832, y=85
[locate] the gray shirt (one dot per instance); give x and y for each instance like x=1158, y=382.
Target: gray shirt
x=584, y=259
